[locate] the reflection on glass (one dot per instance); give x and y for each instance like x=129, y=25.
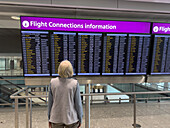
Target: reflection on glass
x=11, y=65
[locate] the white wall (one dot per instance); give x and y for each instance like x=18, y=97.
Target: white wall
x=152, y=1
x=152, y=6
x=89, y=3
x=156, y=5
x=28, y=1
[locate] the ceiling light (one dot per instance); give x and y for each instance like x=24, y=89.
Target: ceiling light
x=15, y=17
x=97, y=84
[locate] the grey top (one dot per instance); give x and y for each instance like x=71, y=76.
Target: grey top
x=64, y=101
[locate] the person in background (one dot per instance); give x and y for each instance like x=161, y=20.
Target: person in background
x=107, y=100
x=64, y=100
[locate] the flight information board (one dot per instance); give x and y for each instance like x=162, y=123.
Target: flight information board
x=137, y=54
x=161, y=55
x=35, y=47
x=89, y=53
x=63, y=47
x=93, y=53
x=114, y=54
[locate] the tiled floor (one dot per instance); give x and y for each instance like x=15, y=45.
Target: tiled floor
x=149, y=115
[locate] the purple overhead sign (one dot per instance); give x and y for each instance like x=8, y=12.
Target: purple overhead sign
x=82, y=25
x=161, y=28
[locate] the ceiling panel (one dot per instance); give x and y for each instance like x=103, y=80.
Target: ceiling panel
x=128, y=4
x=6, y=11
x=152, y=1
x=28, y=1
x=87, y=3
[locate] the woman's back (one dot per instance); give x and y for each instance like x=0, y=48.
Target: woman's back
x=64, y=101
x=63, y=109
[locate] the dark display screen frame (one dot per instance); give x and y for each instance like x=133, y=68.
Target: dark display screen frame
x=151, y=62
x=100, y=69
x=149, y=56
x=114, y=74
x=51, y=32
x=35, y=75
x=76, y=72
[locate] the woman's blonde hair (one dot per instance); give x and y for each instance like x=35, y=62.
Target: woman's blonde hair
x=65, y=69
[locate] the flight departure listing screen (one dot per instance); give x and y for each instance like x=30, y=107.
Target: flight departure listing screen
x=35, y=47
x=137, y=54
x=89, y=53
x=93, y=53
x=63, y=47
x=114, y=54
x=161, y=55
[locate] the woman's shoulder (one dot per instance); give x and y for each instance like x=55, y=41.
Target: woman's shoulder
x=54, y=80
x=72, y=80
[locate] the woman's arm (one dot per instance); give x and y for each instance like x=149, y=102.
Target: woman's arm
x=50, y=101
x=49, y=123
x=78, y=104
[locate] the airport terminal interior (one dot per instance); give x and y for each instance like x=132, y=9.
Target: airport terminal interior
x=119, y=50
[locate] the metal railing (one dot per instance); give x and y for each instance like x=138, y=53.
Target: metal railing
x=87, y=104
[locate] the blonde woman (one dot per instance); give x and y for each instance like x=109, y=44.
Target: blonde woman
x=64, y=101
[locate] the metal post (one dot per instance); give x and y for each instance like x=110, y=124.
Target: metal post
x=91, y=91
x=91, y=100
x=31, y=113
x=46, y=93
x=105, y=91
x=159, y=100
x=87, y=107
x=16, y=113
x=166, y=86
x=135, y=125
x=27, y=119
x=134, y=110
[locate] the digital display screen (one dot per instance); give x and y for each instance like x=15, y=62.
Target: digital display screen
x=89, y=53
x=35, y=46
x=63, y=47
x=93, y=53
x=137, y=54
x=114, y=54
x=161, y=55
